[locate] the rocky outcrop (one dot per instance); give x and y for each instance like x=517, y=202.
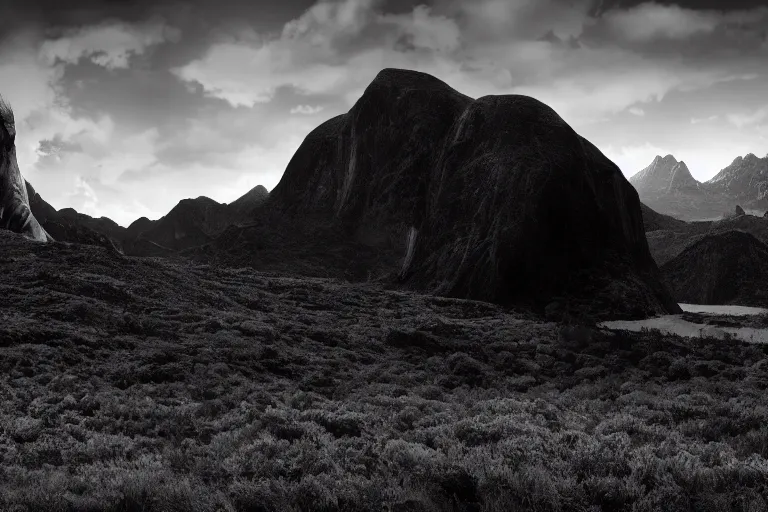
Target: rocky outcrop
x=724, y=268
x=738, y=211
x=15, y=213
x=495, y=199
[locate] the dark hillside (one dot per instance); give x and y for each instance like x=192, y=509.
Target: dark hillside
x=723, y=268
x=158, y=385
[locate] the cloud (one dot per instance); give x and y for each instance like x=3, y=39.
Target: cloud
x=110, y=44
x=755, y=117
x=698, y=120
x=306, y=110
x=315, y=52
x=71, y=156
x=484, y=47
x=651, y=22
x=636, y=111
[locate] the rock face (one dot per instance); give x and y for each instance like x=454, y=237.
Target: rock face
x=664, y=176
x=15, y=213
x=745, y=181
x=495, y=199
x=724, y=268
x=668, y=187
x=738, y=211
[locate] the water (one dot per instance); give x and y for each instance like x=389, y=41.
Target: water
x=675, y=324
x=722, y=310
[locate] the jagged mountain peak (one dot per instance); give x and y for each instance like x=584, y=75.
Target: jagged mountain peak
x=669, y=158
x=664, y=175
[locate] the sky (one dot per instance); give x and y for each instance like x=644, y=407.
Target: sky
x=125, y=108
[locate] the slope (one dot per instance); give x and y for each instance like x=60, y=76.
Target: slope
x=724, y=268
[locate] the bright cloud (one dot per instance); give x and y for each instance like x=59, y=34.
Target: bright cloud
x=306, y=110
x=750, y=118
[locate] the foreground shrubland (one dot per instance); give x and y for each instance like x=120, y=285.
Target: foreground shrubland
x=130, y=384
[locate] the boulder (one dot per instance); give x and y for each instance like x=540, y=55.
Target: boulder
x=495, y=199
x=15, y=213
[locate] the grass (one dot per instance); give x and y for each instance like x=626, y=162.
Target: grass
x=141, y=384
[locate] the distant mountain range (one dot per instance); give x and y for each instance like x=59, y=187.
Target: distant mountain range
x=668, y=187
x=190, y=223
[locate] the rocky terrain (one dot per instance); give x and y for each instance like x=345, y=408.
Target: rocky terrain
x=458, y=197
x=723, y=268
x=668, y=187
x=157, y=384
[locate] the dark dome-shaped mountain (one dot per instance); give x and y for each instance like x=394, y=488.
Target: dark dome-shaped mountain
x=723, y=268
x=495, y=199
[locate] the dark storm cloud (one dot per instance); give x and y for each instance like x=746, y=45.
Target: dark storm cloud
x=56, y=15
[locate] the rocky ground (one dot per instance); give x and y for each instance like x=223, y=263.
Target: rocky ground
x=148, y=384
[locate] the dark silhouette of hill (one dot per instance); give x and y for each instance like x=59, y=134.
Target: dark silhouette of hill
x=15, y=212
x=724, y=268
x=190, y=223
x=494, y=199
x=665, y=244
x=67, y=225
x=243, y=205
x=654, y=221
x=668, y=187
